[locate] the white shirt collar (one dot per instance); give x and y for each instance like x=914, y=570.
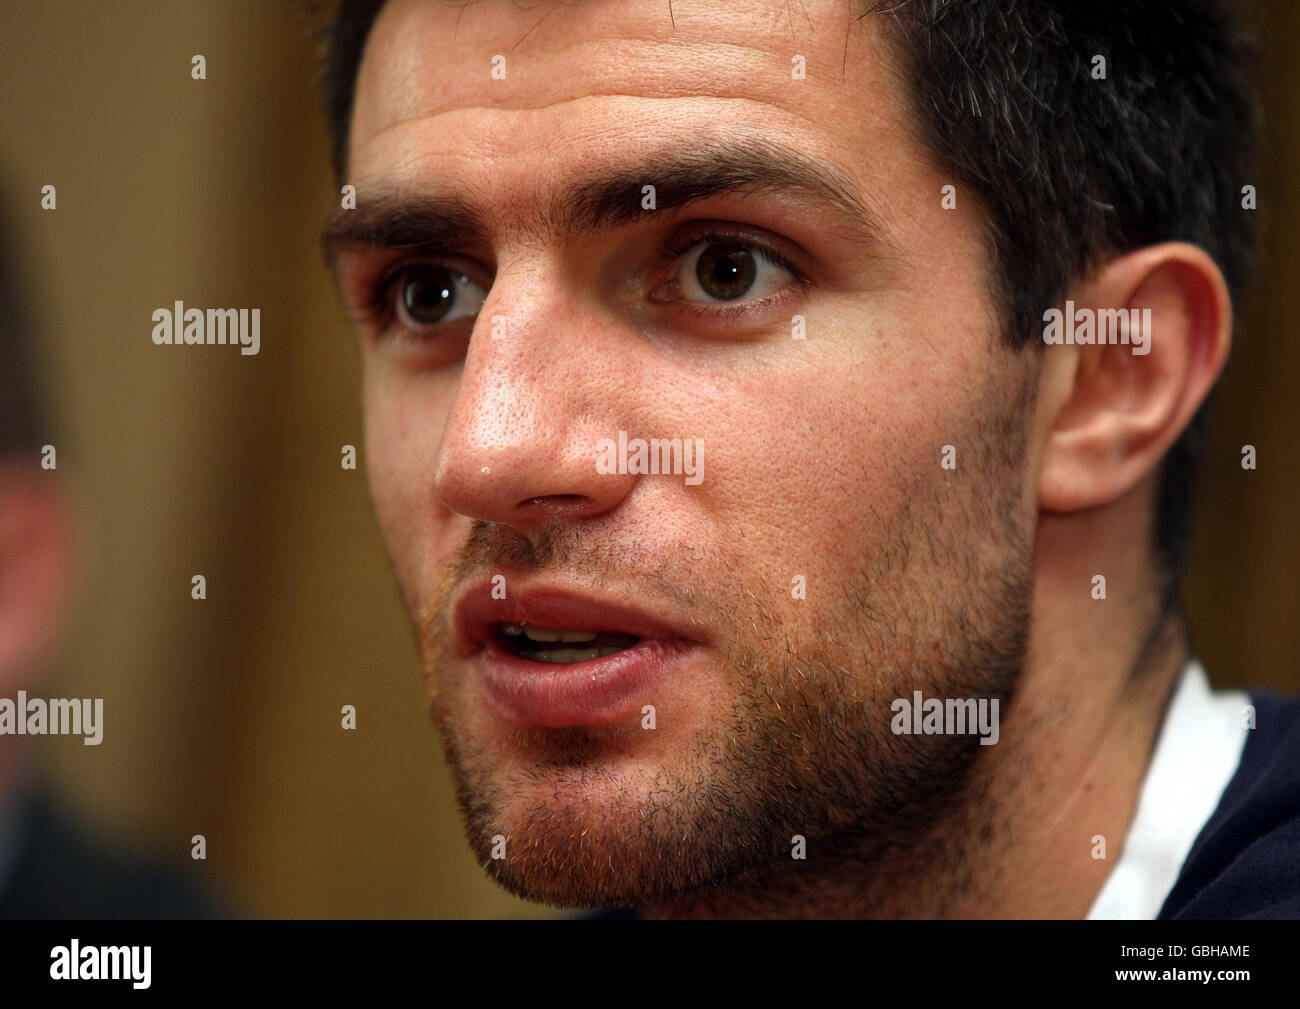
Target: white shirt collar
x=1197, y=752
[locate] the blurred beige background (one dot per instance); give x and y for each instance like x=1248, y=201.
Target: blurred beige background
x=222, y=716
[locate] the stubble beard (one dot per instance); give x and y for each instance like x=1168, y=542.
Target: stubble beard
x=895, y=821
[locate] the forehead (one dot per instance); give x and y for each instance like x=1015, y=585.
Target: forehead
x=604, y=79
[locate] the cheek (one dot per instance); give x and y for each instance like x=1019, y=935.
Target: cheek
x=809, y=453
x=840, y=457
x=402, y=434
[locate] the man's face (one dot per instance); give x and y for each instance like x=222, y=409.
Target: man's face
x=821, y=561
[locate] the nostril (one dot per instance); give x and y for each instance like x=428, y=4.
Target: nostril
x=561, y=506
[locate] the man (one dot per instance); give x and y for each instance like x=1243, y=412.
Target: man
x=782, y=421
x=52, y=865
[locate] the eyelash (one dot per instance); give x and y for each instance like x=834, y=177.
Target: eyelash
x=377, y=305
x=676, y=249
x=722, y=311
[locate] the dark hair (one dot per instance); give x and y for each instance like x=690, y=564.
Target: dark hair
x=345, y=43
x=1069, y=167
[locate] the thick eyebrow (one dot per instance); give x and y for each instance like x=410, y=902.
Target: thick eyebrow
x=388, y=216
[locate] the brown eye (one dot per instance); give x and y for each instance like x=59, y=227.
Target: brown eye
x=431, y=295
x=427, y=295
x=716, y=270
x=726, y=272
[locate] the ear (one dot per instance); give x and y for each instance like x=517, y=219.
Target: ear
x=37, y=567
x=1114, y=409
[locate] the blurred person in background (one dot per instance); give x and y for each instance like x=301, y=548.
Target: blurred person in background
x=52, y=866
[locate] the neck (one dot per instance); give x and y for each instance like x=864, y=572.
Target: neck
x=1066, y=772
x=1026, y=840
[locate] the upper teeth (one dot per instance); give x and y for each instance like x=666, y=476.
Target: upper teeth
x=547, y=633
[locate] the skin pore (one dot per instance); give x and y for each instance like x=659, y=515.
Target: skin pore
x=823, y=463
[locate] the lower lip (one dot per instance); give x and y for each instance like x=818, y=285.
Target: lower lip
x=597, y=692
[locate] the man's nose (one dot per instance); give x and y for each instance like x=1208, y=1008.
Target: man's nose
x=535, y=397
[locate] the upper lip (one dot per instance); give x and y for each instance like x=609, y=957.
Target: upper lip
x=476, y=615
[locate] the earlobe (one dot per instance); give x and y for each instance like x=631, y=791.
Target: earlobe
x=1151, y=332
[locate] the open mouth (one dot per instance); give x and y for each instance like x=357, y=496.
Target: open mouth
x=560, y=645
x=547, y=657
